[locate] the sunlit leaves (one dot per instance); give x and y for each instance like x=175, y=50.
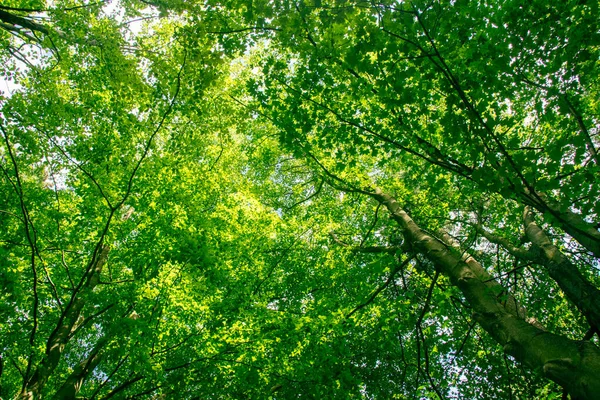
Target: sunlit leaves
x=222, y=151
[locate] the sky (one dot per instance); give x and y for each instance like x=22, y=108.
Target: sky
x=111, y=8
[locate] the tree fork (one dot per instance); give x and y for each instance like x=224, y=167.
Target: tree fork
x=575, y=365
x=578, y=289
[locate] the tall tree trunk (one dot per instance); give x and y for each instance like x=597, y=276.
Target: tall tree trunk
x=60, y=336
x=575, y=286
x=73, y=383
x=584, y=232
x=575, y=365
x=579, y=290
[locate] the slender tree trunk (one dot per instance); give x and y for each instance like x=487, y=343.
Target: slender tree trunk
x=73, y=383
x=584, y=232
x=575, y=365
x=575, y=286
x=579, y=290
x=59, y=338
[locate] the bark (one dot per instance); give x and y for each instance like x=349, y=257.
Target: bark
x=16, y=21
x=584, y=232
x=73, y=383
x=573, y=284
x=60, y=336
x=575, y=365
x=517, y=252
x=576, y=287
x=507, y=300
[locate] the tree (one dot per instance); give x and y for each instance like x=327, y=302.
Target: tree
x=258, y=200
x=463, y=87
x=114, y=206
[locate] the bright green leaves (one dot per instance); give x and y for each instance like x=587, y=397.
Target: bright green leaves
x=120, y=142
x=446, y=106
x=245, y=261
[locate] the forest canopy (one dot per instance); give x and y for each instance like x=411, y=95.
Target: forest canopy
x=299, y=199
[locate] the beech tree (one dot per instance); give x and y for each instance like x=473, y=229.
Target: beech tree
x=465, y=89
x=299, y=199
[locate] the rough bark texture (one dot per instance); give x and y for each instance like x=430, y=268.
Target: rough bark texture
x=575, y=365
x=575, y=286
x=66, y=324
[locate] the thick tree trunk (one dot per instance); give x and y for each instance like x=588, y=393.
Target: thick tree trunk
x=575, y=365
x=59, y=338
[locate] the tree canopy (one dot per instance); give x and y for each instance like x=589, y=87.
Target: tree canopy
x=308, y=199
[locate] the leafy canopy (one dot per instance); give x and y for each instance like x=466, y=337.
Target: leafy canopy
x=210, y=200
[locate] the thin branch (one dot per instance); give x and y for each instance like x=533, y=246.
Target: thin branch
x=109, y=377
x=464, y=341
x=518, y=252
x=578, y=118
x=66, y=267
x=29, y=233
x=246, y=29
x=315, y=193
x=123, y=386
x=421, y=336
x=153, y=135
x=88, y=319
x=175, y=346
x=78, y=165
x=16, y=366
x=283, y=253
x=389, y=280
x=375, y=219
x=444, y=162
x=365, y=249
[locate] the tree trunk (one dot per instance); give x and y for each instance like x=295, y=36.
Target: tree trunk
x=575, y=365
x=12, y=20
x=574, y=224
x=73, y=383
x=575, y=286
x=60, y=336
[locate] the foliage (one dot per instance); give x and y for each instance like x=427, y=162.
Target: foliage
x=206, y=200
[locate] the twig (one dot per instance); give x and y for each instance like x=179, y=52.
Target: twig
x=379, y=289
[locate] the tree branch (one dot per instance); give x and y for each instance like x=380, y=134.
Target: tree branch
x=389, y=280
